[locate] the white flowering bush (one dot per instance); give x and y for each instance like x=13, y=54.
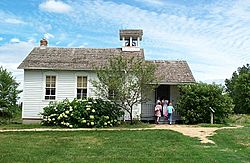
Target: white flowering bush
x=81, y=113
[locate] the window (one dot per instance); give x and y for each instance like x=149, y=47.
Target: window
x=50, y=89
x=81, y=87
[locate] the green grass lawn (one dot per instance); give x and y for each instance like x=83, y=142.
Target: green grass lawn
x=23, y=126
x=232, y=145
x=30, y=126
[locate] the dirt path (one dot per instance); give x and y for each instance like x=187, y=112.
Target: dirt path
x=202, y=133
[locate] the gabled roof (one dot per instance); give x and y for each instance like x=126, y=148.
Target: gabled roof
x=52, y=58
x=72, y=58
x=173, y=72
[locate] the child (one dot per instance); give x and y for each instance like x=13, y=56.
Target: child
x=170, y=112
x=158, y=109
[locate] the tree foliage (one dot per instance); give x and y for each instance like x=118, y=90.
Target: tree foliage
x=195, y=100
x=8, y=94
x=239, y=89
x=123, y=80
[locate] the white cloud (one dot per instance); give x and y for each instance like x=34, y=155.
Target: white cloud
x=8, y=18
x=213, y=37
x=48, y=36
x=84, y=45
x=31, y=40
x=201, y=35
x=152, y=2
x=14, y=21
x=44, y=27
x=14, y=40
x=55, y=6
x=58, y=42
x=14, y=53
x=1, y=38
x=11, y=55
x=71, y=44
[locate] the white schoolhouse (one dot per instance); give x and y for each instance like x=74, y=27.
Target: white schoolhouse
x=53, y=73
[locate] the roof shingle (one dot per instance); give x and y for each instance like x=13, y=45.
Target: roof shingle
x=173, y=72
x=87, y=58
x=72, y=58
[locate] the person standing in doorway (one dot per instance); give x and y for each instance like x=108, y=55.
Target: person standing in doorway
x=158, y=109
x=165, y=109
x=170, y=109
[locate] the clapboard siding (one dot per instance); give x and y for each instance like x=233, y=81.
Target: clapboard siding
x=174, y=94
x=32, y=93
x=34, y=89
x=66, y=85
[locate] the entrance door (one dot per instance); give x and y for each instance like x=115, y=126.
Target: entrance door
x=162, y=92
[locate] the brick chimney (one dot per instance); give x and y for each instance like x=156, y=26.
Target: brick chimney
x=43, y=42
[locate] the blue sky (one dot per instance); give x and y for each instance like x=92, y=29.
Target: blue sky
x=213, y=36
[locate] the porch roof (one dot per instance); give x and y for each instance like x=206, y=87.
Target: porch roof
x=173, y=72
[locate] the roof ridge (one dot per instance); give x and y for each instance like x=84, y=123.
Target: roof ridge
x=54, y=47
x=167, y=60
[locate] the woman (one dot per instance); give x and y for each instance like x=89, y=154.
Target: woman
x=158, y=109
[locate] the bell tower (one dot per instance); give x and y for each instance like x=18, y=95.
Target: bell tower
x=131, y=39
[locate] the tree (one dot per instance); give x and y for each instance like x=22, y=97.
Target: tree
x=8, y=94
x=238, y=88
x=195, y=100
x=124, y=80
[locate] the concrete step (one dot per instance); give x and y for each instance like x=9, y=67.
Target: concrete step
x=163, y=120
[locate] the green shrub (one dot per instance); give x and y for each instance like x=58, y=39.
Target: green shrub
x=239, y=119
x=195, y=100
x=81, y=113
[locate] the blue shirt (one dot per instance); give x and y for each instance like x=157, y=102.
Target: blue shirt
x=170, y=109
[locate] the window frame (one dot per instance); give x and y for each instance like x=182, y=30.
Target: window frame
x=45, y=86
x=82, y=87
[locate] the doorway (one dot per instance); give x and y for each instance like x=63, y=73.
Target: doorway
x=162, y=92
